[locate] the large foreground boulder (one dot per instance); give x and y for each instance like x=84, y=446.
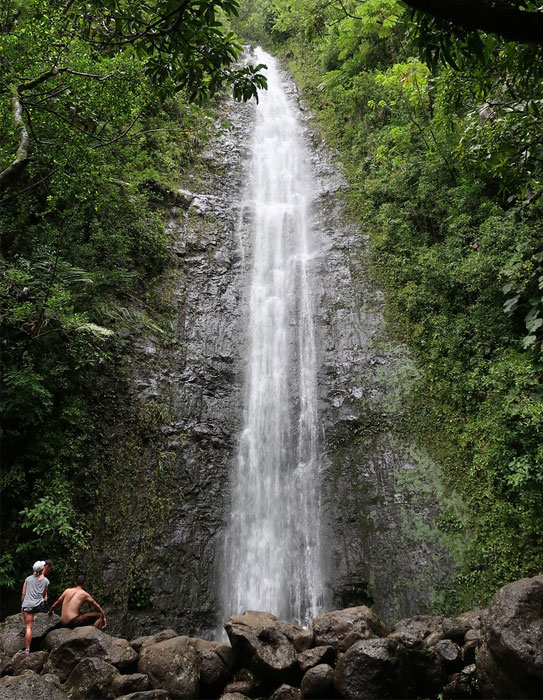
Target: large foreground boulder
x=172, y=665
x=510, y=657
x=83, y=642
x=216, y=662
x=92, y=679
x=267, y=645
x=342, y=628
x=374, y=669
x=12, y=633
x=30, y=686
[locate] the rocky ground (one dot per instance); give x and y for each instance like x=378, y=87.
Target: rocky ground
x=492, y=653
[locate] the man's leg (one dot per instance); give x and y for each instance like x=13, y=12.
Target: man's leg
x=29, y=622
x=91, y=618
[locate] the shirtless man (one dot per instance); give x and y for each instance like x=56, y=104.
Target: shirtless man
x=72, y=599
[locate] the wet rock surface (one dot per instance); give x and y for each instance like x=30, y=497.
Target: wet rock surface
x=510, y=658
x=172, y=665
x=198, y=377
x=342, y=628
x=281, y=661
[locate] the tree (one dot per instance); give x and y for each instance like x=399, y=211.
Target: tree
x=516, y=20
x=57, y=56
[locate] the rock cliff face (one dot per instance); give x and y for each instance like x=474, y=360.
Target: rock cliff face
x=379, y=529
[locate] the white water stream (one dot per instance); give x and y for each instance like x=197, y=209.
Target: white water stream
x=272, y=558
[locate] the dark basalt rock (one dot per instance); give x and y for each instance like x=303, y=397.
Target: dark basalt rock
x=173, y=666
x=342, y=628
x=318, y=682
x=92, y=679
x=161, y=636
x=462, y=686
x=24, y=662
x=84, y=642
x=318, y=655
x=132, y=683
x=30, y=686
x=510, y=657
x=10, y=639
x=374, y=669
x=268, y=645
x=286, y=692
x=146, y=695
x=421, y=628
x=450, y=653
x=217, y=663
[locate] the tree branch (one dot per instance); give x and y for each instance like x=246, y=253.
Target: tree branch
x=14, y=171
x=513, y=25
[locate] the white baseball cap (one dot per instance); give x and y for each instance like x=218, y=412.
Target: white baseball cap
x=38, y=565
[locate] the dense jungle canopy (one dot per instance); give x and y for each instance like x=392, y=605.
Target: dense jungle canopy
x=435, y=110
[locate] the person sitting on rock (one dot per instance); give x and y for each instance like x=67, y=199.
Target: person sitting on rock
x=34, y=597
x=72, y=599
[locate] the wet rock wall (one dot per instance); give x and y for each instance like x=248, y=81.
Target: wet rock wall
x=380, y=493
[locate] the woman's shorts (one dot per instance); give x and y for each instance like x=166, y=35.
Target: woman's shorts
x=42, y=607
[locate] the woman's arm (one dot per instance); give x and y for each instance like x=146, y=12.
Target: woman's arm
x=23, y=593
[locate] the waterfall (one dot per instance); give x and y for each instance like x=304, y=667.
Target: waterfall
x=272, y=548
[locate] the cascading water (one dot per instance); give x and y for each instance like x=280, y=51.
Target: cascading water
x=272, y=558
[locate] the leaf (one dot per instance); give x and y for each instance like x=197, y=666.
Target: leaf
x=96, y=330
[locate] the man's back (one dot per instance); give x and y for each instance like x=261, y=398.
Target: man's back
x=72, y=600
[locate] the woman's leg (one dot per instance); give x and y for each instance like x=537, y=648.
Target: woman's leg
x=29, y=622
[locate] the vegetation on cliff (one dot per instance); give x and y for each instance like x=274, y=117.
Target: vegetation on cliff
x=438, y=126
x=101, y=109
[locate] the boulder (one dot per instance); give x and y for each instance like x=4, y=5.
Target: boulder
x=234, y=696
x=156, y=694
x=244, y=682
x=171, y=665
x=510, y=656
x=56, y=637
x=132, y=683
x=472, y=636
x=462, y=686
x=430, y=669
x=318, y=682
x=216, y=661
x=12, y=634
x=266, y=644
x=373, y=669
x=421, y=628
x=318, y=655
x=455, y=628
x=286, y=692
x=450, y=653
x=29, y=686
x=342, y=628
x=138, y=643
x=84, y=642
x=11, y=641
x=24, y=662
x=92, y=679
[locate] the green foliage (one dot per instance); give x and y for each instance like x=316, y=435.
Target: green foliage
x=444, y=163
x=107, y=92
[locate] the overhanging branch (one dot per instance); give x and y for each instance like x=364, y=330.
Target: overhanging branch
x=513, y=25
x=15, y=170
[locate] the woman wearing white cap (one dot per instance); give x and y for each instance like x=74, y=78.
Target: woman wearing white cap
x=33, y=599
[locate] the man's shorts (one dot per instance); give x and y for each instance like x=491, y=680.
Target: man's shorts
x=81, y=621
